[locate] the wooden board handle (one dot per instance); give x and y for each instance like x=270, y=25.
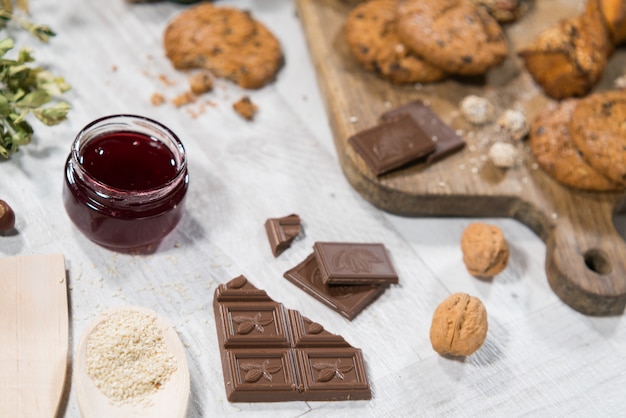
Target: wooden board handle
x=586, y=263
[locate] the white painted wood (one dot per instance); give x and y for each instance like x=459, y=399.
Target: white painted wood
x=540, y=358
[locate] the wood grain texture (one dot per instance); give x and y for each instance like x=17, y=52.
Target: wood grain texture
x=33, y=335
x=586, y=257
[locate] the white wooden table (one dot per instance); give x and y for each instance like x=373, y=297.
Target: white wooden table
x=540, y=357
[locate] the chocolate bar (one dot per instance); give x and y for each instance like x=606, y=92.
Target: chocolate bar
x=349, y=301
x=281, y=232
x=354, y=263
x=273, y=354
x=392, y=145
x=446, y=141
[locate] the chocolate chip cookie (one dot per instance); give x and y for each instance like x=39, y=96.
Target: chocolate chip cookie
x=226, y=41
x=455, y=35
x=371, y=33
x=598, y=128
x=552, y=145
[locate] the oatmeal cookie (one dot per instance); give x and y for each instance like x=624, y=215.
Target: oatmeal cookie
x=371, y=33
x=455, y=35
x=226, y=41
x=598, y=128
x=551, y=144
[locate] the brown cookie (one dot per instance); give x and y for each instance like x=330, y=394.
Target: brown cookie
x=454, y=35
x=485, y=250
x=226, y=41
x=598, y=128
x=371, y=33
x=552, y=145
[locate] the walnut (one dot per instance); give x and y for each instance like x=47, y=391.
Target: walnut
x=7, y=217
x=459, y=325
x=485, y=250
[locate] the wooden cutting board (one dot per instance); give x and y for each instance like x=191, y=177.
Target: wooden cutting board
x=33, y=335
x=585, y=255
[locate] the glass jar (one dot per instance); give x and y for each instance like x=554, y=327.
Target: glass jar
x=125, y=182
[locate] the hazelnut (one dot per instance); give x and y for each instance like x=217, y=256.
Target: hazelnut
x=7, y=217
x=459, y=326
x=485, y=251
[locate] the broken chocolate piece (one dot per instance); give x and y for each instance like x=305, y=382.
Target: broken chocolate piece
x=281, y=232
x=392, y=145
x=349, y=301
x=354, y=263
x=447, y=142
x=272, y=354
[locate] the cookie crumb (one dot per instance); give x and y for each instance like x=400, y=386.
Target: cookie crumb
x=477, y=110
x=183, y=99
x=201, y=83
x=503, y=155
x=157, y=99
x=245, y=108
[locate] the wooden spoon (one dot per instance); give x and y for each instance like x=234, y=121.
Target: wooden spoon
x=169, y=401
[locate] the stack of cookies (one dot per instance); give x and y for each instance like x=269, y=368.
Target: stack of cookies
x=422, y=41
x=581, y=143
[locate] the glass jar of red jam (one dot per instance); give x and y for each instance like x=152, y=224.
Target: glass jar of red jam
x=125, y=182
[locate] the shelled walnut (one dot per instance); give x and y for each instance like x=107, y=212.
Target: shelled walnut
x=485, y=250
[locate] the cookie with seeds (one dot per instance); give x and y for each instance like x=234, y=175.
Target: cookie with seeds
x=371, y=33
x=226, y=41
x=598, y=128
x=455, y=35
x=554, y=150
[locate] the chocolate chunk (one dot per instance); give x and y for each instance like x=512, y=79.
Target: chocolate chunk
x=392, y=144
x=273, y=354
x=354, y=263
x=446, y=140
x=349, y=301
x=281, y=232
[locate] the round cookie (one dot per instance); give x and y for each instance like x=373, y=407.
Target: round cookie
x=226, y=41
x=371, y=33
x=455, y=35
x=551, y=144
x=598, y=128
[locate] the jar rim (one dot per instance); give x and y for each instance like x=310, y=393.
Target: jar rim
x=105, y=190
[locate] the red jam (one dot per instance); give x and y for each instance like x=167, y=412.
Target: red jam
x=125, y=182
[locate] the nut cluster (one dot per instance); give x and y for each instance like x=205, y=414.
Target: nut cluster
x=459, y=325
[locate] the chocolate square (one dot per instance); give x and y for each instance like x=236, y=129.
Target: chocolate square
x=349, y=301
x=315, y=365
x=446, y=140
x=281, y=232
x=354, y=263
x=392, y=144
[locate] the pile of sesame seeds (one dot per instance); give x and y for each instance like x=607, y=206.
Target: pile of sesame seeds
x=127, y=357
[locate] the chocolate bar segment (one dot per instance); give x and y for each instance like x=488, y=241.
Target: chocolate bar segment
x=392, y=145
x=349, y=301
x=271, y=354
x=281, y=232
x=446, y=140
x=354, y=263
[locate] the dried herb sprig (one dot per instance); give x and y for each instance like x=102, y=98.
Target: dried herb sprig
x=25, y=89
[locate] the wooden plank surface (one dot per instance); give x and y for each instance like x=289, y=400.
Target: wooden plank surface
x=33, y=335
x=540, y=358
x=586, y=256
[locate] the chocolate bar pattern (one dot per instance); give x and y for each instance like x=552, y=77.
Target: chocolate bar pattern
x=271, y=354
